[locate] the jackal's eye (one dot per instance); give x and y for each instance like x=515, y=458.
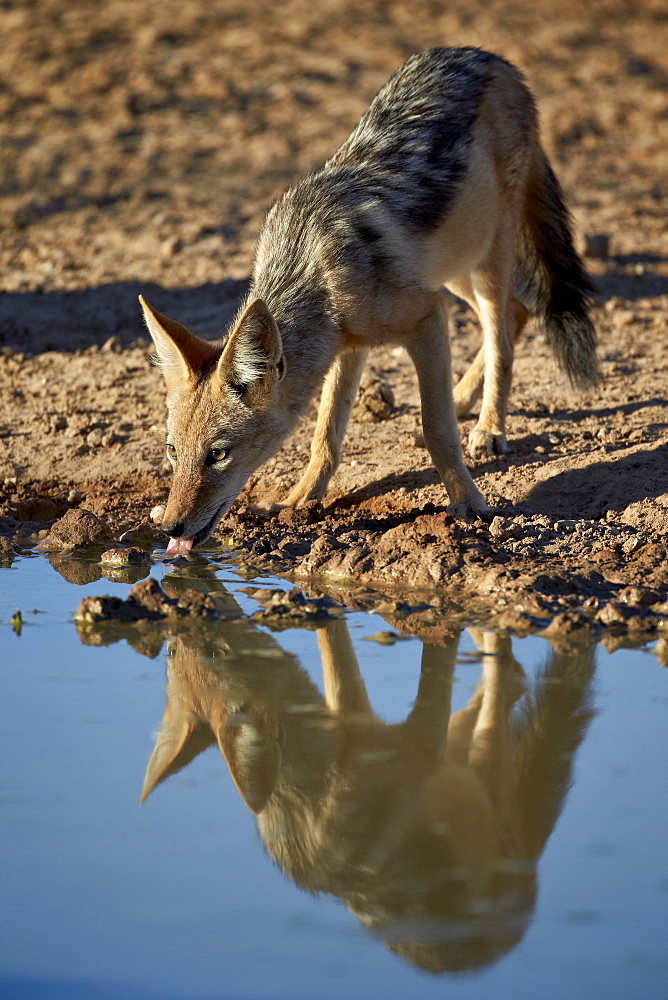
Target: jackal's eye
x=217, y=455
x=171, y=452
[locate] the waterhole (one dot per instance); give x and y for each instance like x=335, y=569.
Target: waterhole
x=329, y=808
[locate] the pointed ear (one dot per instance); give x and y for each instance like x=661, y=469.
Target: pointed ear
x=180, y=354
x=253, y=356
x=178, y=742
x=253, y=757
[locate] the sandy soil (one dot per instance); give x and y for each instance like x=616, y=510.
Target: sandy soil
x=142, y=145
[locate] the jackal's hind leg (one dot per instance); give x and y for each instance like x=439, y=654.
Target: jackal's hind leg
x=338, y=396
x=429, y=350
x=491, y=285
x=469, y=388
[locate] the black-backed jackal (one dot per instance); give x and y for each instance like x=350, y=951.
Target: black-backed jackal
x=442, y=182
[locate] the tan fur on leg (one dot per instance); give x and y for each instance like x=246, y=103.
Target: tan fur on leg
x=336, y=402
x=430, y=352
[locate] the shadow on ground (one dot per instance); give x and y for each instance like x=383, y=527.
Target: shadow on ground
x=602, y=486
x=577, y=493
x=624, y=282
x=65, y=321
x=408, y=481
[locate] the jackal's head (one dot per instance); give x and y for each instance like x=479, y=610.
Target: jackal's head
x=224, y=417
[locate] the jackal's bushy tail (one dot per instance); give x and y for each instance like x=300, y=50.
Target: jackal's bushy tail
x=552, y=277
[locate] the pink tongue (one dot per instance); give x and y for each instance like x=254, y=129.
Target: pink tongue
x=177, y=545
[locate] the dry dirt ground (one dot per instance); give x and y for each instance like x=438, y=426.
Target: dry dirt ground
x=141, y=146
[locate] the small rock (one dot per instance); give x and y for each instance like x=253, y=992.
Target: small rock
x=503, y=528
x=292, y=604
x=613, y=613
x=375, y=402
x=94, y=437
x=564, y=525
x=157, y=514
x=76, y=528
x=133, y=556
x=146, y=600
x=294, y=547
x=142, y=534
x=632, y=545
x=170, y=247
x=639, y=595
x=74, y=496
x=567, y=623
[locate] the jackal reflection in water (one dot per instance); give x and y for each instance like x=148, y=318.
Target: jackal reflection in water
x=430, y=830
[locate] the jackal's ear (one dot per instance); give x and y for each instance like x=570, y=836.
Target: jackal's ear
x=253, y=755
x=253, y=356
x=178, y=742
x=180, y=353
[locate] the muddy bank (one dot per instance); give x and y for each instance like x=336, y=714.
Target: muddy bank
x=574, y=580
x=141, y=157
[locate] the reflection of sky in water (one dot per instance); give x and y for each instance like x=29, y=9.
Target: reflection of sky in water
x=178, y=897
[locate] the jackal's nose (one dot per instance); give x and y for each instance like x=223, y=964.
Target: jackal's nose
x=173, y=530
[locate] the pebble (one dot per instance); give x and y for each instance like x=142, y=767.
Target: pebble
x=503, y=528
x=170, y=247
x=157, y=514
x=133, y=556
x=94, y=437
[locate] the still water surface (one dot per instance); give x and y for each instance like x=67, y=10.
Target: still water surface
x=324, y=816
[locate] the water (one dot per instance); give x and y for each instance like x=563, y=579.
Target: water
x=343, y=862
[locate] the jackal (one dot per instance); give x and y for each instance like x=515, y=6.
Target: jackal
x=442, y=182
x=429, y=829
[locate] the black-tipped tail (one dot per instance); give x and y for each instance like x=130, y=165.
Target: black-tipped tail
x=552, y=277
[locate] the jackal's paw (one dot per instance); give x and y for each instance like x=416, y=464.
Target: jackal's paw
x=301, y=495
x=485, y=442
x=471, y=508
x=466, y=512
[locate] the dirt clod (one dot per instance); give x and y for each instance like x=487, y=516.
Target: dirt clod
x=77, y=528
x=132, y=556
x=146, y=600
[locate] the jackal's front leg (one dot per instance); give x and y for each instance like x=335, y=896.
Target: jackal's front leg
x=430, y=352
x=338, y=396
